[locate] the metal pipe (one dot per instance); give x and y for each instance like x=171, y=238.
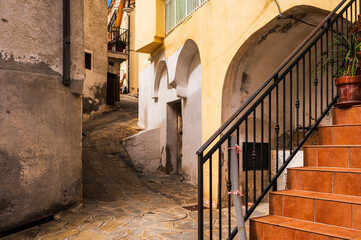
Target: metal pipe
x=200, y=197
x=27, y=224
x=279, y=10
x=233, y=158
x=66, y=42
x=128, y=48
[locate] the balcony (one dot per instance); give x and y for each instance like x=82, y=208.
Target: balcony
x=118, y=44
x=149, y=25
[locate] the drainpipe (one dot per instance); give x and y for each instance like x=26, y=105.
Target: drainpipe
x=66, y=42
x=128, y=48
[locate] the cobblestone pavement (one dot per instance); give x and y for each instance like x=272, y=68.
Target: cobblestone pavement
x=118, y=203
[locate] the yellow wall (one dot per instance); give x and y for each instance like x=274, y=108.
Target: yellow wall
x=219, y=28
x=150, y=18
x=133, y=59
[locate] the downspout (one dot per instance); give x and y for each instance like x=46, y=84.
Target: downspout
x=128, y=48
x=66, y=42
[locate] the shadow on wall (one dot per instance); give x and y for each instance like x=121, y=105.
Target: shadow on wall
x=263, y=52
x=257, y=59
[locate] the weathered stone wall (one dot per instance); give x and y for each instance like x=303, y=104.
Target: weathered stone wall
x=40, y=120
x=95, y=42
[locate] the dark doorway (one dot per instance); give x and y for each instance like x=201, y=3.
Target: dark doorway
x=178, y=109
x=174, y=137
x=112, y=89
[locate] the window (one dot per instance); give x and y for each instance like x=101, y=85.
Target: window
x=177, y=10
x=88, y=61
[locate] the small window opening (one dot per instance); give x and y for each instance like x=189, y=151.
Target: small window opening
x=88, y=61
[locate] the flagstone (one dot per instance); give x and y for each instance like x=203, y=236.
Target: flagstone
x=120, y=204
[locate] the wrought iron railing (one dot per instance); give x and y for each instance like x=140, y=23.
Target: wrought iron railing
x=119, y=35
x=278, y=118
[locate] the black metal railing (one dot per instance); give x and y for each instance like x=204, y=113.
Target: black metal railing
x=278, y=119
x=119, y=35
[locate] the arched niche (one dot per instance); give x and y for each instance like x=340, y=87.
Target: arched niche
x=160, y=71
x=187, y=55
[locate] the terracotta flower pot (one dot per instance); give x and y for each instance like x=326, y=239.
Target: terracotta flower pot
x=110, y=47
x=349, y=89
x=119, y=49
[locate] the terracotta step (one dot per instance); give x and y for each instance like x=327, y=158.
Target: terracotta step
x=333, y=209
x=345, y=181
x=282, y=228
x=349, y=115
x=340, y=135
x=340, y=156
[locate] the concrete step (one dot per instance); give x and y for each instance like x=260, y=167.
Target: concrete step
x=345, y=181
x=339, y=156
x=332, y=209
x=282, y=228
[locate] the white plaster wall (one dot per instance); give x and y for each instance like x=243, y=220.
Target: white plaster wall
x=145, y=96
x=297, y=161
x=154, y=113
x=192, y=114
x=143, y=149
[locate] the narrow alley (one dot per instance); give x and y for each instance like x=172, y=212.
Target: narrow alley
x=118, y=203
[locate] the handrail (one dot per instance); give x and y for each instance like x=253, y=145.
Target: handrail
x=301, y=73
x=272, y=76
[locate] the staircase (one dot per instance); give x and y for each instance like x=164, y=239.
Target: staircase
x=323, y=198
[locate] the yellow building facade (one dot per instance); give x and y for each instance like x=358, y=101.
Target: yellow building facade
x=207, y=60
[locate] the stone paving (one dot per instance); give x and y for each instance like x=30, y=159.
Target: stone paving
x=118, y=202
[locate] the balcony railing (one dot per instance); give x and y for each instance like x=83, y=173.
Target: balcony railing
x=117, y=35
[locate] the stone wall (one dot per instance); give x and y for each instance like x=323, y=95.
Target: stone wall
x=40, y=120
x=95, y=42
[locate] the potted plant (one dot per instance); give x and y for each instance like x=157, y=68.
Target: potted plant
x=110, y=46
x=120, y=45
x=348, y=73
x=348, y=82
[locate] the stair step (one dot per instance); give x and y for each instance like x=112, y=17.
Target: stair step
x=349, y=115
x=332, y=156
x=338, y=210
x=277, y=227
x=340, y=134
x=345, y=181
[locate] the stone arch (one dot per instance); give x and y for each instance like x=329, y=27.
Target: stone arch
x=161, y=68
x=187, y=55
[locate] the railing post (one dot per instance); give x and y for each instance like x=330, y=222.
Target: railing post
x=200, y=196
